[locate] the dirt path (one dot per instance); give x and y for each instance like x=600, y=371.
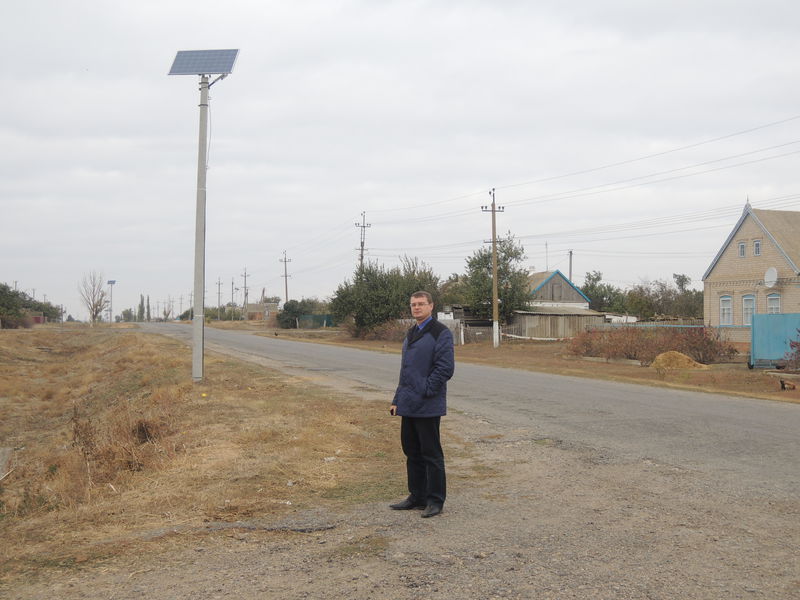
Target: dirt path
x=525, y=518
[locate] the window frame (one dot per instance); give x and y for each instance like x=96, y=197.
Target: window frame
x=770, y=308
x=742, y=249
x=748, y=312
x=756, y=247
x=726, y=311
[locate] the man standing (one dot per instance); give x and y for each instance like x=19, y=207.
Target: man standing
x=427, y=363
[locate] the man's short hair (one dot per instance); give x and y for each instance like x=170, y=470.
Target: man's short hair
x=422, y=294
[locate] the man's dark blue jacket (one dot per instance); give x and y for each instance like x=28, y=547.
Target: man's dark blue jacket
x=428, y=362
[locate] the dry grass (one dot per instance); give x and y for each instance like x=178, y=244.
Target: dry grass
x=112, y=442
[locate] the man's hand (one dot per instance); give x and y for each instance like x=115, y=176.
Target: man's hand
x=393, y=409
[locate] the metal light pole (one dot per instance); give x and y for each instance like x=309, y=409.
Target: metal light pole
x=202, y=63
x=111, y=283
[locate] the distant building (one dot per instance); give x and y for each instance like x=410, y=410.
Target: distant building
x=557, y=309
x=261, y=311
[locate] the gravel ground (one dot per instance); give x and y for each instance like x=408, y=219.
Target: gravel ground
x=525, y=518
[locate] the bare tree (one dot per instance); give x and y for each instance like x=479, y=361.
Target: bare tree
x=93, y=295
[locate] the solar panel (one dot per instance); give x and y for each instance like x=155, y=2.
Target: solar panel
x=203, y=62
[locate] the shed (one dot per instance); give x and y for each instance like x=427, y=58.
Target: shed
x=555, y=322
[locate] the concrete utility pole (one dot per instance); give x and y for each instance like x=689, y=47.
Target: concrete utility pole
x=286, y=276
x=494, y=209
x=570, y=265
x=244, y=304
x=363, y=225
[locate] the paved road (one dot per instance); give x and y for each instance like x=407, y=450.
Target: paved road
x=745, y=445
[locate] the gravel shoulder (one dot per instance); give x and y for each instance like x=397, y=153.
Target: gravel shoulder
x=525, y=518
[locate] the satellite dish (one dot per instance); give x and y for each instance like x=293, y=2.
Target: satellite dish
x=771, y=277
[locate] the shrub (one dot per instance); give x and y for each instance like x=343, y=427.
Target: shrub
x=793, y=356
x=390, y=331
x=702, y=344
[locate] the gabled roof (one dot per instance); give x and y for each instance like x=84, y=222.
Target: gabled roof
x=537, y=281
x=560, y=310
x=780, y=226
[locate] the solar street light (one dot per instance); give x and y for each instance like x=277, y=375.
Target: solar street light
x=202, y=63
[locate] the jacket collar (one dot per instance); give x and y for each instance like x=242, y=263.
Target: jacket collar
x=416, y=333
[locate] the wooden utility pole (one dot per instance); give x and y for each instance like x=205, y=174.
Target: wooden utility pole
x=363, y=225
x=494, y=209
x=286, y=276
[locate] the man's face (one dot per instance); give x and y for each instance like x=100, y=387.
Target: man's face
x=421, y=309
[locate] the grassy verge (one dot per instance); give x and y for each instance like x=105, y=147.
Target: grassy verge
x=110, y=442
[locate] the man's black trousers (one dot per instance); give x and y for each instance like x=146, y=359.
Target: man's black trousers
x=419, y=437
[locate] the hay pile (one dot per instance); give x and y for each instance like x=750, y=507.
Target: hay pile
x=675, y=360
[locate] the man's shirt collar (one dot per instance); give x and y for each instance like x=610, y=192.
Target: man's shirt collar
x=425, y=322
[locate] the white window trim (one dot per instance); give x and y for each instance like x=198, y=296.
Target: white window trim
x=729, y=319
x=742, y=249
x=769, y=308
x=745, y=313
x=757, y=248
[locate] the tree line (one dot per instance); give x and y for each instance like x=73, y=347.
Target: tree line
x=16, y=308
x=376, y=295
x=646, y=300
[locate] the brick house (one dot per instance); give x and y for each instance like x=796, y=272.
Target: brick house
x=755, y=272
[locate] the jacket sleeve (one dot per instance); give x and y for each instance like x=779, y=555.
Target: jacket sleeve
x=443, y=363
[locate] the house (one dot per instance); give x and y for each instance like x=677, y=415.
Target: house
x=552, y=288
x=755, y=272
x=260, y=311
x=557, y=309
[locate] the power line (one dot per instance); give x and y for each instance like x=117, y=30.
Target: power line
x=595, y=169
x=654, y=155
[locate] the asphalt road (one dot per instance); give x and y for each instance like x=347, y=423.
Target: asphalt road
x=744, y=445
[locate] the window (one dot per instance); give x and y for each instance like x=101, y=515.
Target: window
x=773, y=304
x=757, y=248
x=742, y=249
x=725, y=310
x=748, y=308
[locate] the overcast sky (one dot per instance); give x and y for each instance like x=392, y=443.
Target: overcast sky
x=631, y=132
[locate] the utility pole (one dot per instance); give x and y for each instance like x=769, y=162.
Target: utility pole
x=570, y=265
x=244, y=304
x=363, y=226
x=233, y=303
x=286, y=276
x=219, y=298
x=494, y=209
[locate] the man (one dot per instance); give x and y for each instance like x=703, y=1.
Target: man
x=420, y=400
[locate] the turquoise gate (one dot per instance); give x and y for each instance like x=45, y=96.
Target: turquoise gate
x=770, y=339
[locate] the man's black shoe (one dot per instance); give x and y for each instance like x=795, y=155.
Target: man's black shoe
x=407, y=504
x=431, y=511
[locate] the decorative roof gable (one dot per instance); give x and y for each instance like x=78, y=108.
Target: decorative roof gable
x=537, y=281
x=780, y=226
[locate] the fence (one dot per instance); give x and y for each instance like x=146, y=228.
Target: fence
x=676, y=323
